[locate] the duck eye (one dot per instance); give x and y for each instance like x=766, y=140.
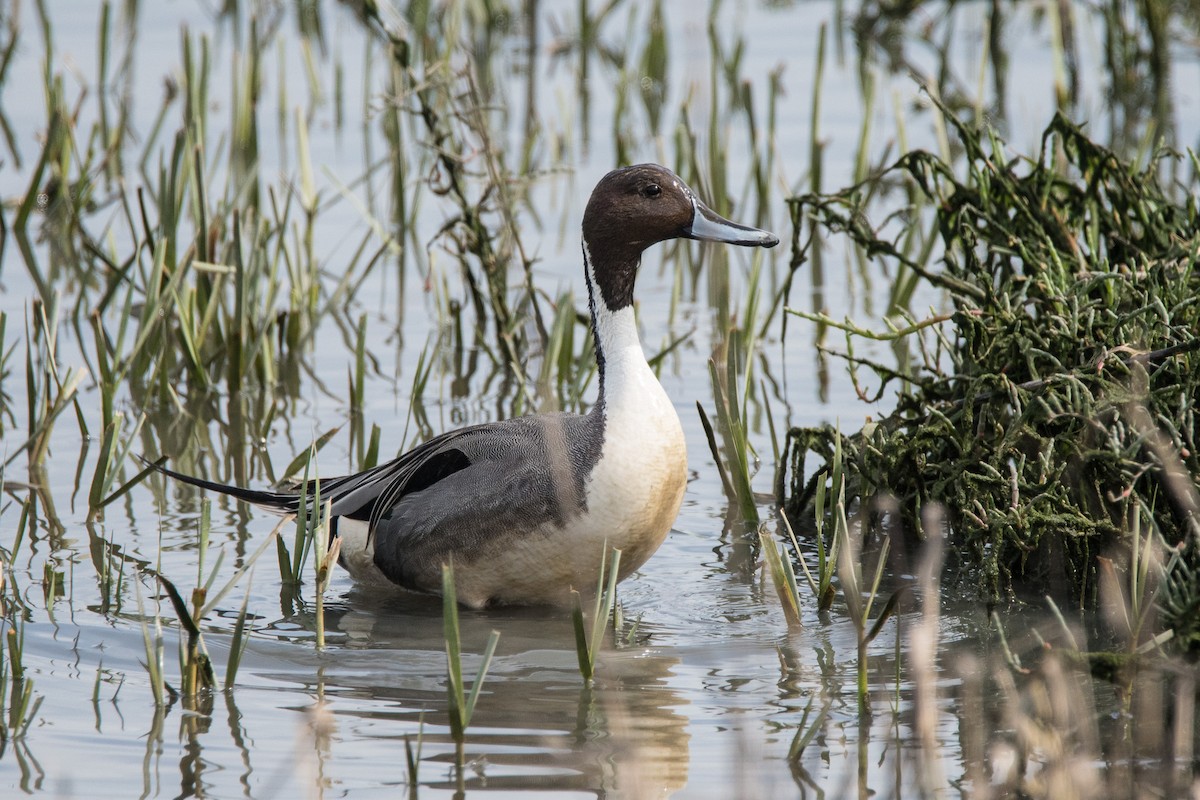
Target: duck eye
x=653, y=190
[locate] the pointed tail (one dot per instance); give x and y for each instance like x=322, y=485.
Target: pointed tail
x=277, y=502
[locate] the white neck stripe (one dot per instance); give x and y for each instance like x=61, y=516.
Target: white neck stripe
x=617, y=342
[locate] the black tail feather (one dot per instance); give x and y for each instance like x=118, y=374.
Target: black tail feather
x=278, y=502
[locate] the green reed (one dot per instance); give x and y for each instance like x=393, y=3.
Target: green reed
x=213, y=287
x=737, y=468
x=829, y=505
x=461, y=703
x=205, y=601
x=732, y=380
x=325, y=556
x=1138, y=585
x=420, y=381
x=113, y=452
x=839, y=553
x=197, y=675
x=860, y=591
x=6, y=400
x=733, y=385
x=308, y=518
x=412, y=759
x=567, y=365
x=9, y=31
x=653, y=68
x=186, y=296
x=456, y=123
x=49, y=389
x=587, y=644
x=783, y=576
x=154, y=644
x=356, y=375
x=19, y=704
x=237, y=643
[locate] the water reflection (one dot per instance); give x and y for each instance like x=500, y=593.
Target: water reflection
x=536, y=726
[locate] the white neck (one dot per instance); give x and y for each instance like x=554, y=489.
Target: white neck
x=626, y=378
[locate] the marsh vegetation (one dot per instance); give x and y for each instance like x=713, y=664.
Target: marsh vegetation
x=278, y=241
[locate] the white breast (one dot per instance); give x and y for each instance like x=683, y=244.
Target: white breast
x=637, y=487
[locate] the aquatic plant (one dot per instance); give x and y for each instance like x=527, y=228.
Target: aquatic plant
x=587, y=645
x=843, y=555
x=325, y=556
x=829, y=508
x=1073, y=347
x=308, y=524
x=412, y=759
x=481, y=233
x=731, y=376
x=783, y=576
x=461, y=704
x=197, y=676
x=737, y=468
x=19, y=703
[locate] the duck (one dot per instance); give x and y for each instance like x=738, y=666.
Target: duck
x=527, y=509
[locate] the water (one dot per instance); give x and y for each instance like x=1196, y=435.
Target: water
x=705, y=691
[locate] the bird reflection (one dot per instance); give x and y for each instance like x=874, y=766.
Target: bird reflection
x=536, y=723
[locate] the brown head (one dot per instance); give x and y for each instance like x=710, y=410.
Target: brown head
x=635, y=207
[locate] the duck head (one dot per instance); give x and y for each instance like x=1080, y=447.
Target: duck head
x=635, y=207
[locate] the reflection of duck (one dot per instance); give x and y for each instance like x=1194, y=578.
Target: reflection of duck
x=534, y=726
x=525, y=506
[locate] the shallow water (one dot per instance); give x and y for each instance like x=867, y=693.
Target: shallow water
x=707, y=687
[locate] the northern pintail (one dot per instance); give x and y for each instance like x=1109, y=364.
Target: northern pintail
x=525, y=507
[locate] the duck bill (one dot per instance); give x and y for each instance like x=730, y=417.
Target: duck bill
x=709, y=226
